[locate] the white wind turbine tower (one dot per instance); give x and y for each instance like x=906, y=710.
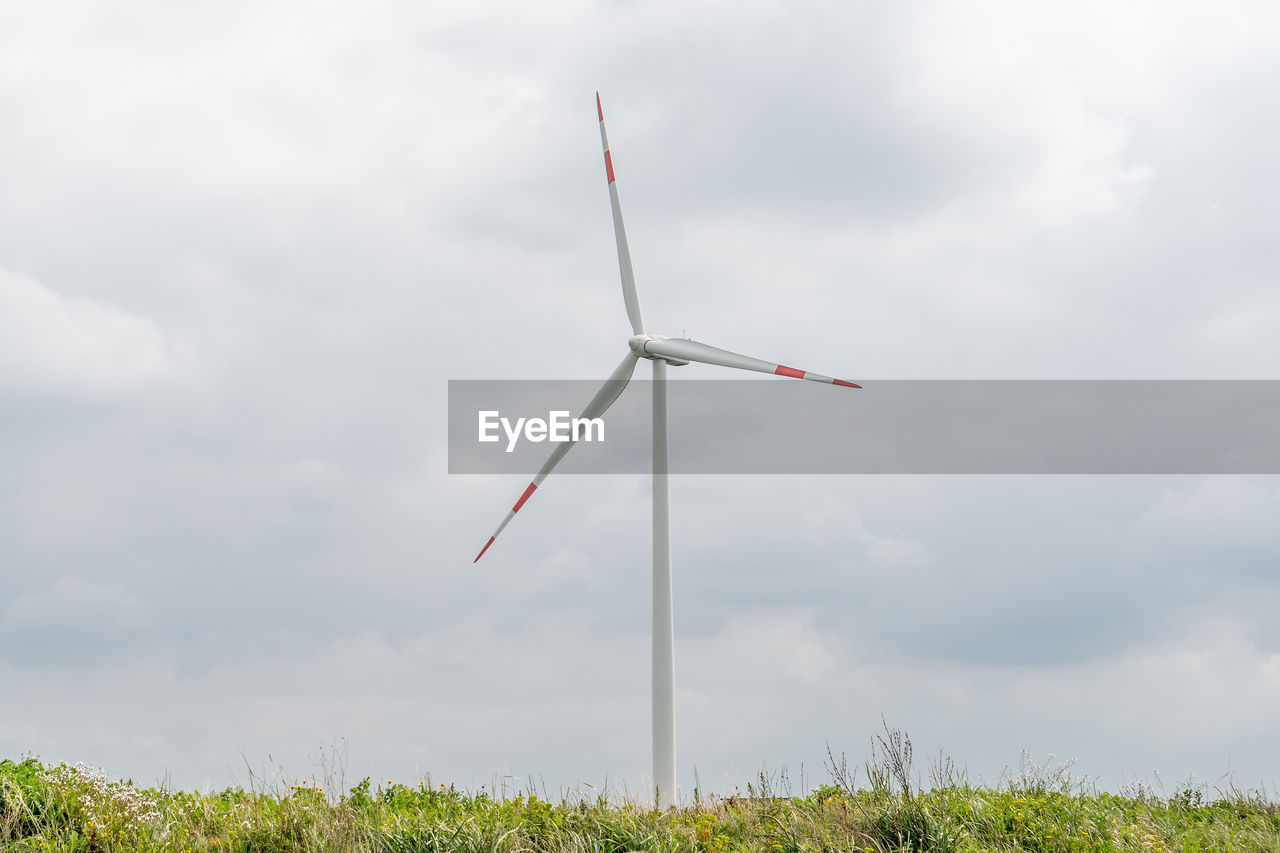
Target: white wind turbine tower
x=661, y=351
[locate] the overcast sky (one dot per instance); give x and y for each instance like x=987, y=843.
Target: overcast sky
x=243, y=247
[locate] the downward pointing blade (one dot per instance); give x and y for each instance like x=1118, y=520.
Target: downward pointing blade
x=620, y=234
x=609, y=392
x=687, y=350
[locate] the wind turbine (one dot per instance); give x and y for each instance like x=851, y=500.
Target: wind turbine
x=661, y=351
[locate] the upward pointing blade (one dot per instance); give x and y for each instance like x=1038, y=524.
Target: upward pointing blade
x=609, y=392
x=683, y=349
x=620, y=234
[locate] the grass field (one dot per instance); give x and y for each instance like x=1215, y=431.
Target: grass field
x=45, y=807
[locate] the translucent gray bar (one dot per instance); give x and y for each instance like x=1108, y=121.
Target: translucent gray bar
x=778, y=426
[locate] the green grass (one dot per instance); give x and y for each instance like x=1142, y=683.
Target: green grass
x=61, y=808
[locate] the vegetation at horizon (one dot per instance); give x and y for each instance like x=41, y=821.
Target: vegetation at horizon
x=1040, y=808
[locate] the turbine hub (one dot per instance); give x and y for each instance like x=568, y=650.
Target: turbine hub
x=638, y=342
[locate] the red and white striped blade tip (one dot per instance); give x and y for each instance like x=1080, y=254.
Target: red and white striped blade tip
x=599, y=108
x=528, y=491
x=795, y=373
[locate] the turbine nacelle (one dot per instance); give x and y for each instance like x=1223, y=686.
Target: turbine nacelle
x=640, y=346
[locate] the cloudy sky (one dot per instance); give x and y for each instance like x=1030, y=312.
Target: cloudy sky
x=243, y=247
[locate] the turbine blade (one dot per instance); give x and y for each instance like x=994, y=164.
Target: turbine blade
x=687, y=350
x=620, y=234
x=609, y=392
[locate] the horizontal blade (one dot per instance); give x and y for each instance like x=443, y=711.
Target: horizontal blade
x=609, y=392
x=683, y=349
x=620, y=234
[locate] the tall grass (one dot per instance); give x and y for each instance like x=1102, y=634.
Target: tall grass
x=1037, y=808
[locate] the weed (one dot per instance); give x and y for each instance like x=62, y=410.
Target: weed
x=1042, y=808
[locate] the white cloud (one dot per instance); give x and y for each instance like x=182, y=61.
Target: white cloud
x=1215, y=515
x=50, y=342
x=71, y=607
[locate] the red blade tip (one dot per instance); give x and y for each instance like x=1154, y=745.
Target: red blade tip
x=847, y=384
x=599, y=109
x=482, y=550
x=524, y=497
